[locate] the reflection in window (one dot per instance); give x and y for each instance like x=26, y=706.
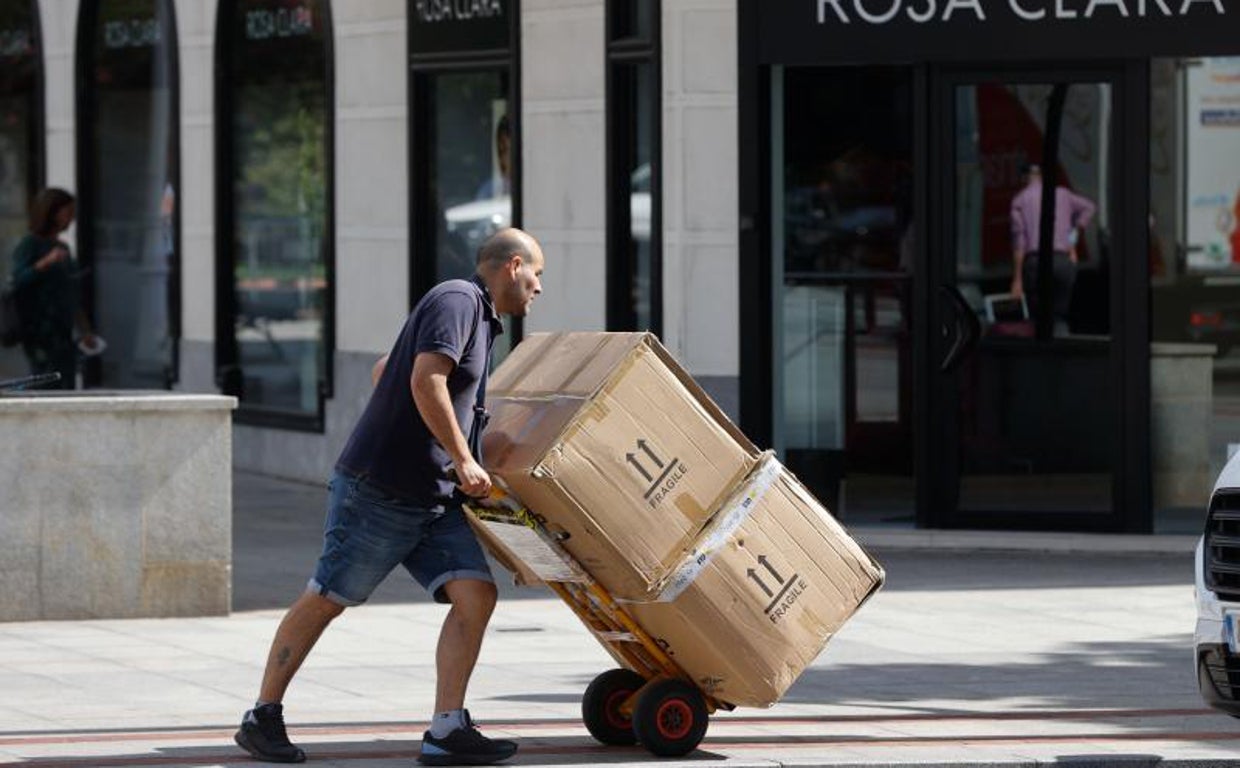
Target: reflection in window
x=279, y=182
x=21, y=128
x=1194, y=267
x=20, y=123
x=128, y=236
x=633, y=272
x=999, y=137
x=843, y=242
x=1035, y=403
x=470, y=165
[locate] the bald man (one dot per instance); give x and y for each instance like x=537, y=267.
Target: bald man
x=393, y=500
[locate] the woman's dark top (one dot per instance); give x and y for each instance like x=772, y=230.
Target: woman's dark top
x=46, y=300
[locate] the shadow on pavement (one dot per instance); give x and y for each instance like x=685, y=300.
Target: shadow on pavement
x=1104, y=675
x=920, y=571
x=377, y=752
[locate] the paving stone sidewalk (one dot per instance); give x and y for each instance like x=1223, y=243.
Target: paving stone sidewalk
x=969, y=657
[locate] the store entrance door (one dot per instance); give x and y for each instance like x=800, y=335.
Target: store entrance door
x=1030, y=413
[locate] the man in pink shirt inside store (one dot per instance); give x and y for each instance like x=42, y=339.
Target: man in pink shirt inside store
x=1072, y=214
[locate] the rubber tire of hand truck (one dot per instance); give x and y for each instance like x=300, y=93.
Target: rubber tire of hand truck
x=670, y=718
x=600, y=707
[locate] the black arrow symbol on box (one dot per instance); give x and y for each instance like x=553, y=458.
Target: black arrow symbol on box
x=645, y=447
x=754, y=575
x=633, y=460
x=767, y=563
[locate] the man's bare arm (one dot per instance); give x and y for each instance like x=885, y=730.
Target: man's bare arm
x=1020, y=240
x=429, y=385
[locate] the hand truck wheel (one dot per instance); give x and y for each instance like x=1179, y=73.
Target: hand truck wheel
x=600, y=706
x=670, y=718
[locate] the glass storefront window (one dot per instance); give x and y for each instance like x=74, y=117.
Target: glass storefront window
x=1035, y=404
x=20, y=123
x=471, y=161
x=634, y=118
x=21, y=130
x=471, y=165
x=999, y=135
x=633, y=274
x=633, y=19
x=279, y=188
x=127, y=234
x=843, y=254
x=1194, y=266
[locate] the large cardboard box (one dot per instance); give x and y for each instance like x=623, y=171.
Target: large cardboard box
x=614, y=446
x=774, y=579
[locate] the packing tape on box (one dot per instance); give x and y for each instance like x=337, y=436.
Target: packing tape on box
x=717, y=536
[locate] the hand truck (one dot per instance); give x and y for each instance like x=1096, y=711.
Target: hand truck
x=649, y=700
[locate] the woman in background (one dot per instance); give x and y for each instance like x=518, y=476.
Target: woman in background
x=46, y=283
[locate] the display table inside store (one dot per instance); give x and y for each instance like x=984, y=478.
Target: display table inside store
x=115, y=505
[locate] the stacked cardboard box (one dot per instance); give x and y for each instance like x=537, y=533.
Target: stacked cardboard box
x=722, y=553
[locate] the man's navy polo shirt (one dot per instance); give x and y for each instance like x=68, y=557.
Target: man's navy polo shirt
x=391, y=445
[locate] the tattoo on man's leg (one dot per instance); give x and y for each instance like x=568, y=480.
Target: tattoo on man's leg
x=283, y=656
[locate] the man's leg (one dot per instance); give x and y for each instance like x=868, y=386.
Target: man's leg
x=460, y=639
x=299, y=631
x=452, y=567
x=453, y=739
x=1029, y=281
x=1065, y=281
x=347, y=570
x=262, y=732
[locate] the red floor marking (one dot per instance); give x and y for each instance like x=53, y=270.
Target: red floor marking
x=591, y=749
x=334, y=729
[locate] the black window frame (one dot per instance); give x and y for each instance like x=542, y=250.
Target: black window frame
x=423, y=66
x=624, y=53
x=226, y=350
x=85, y=170
x=38, y=126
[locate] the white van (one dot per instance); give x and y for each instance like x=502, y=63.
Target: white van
x=1217, y=638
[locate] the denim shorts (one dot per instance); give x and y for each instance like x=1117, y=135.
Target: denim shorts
x=368, y=532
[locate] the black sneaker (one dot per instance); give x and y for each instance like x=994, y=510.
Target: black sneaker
x=262, y=734
x=465, y=746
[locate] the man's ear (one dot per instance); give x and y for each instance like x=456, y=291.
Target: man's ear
x=514, y=264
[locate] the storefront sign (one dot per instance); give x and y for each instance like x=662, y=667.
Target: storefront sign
x=131, y=33
x=860, y=31
x=434, y=11
x=442, y=26
x=930, y=11
x=267, y=23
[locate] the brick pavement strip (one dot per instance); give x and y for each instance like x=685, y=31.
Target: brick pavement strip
x=731, y=744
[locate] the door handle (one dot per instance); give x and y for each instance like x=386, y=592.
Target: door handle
x=964, y=327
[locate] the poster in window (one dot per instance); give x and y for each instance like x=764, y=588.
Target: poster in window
x=1213, y=146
